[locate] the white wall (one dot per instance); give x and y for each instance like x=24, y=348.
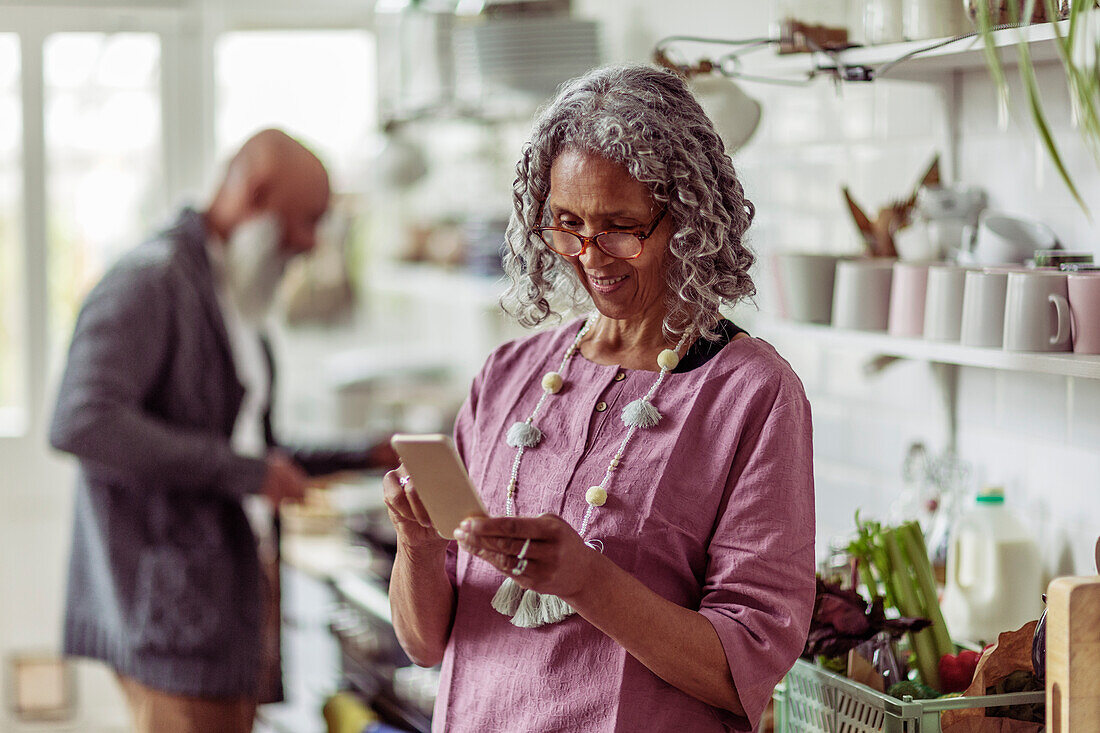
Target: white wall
x=1036, y=434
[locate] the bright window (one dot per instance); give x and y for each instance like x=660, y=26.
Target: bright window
x=316, y=85
x=104, y=159
x=12, y=344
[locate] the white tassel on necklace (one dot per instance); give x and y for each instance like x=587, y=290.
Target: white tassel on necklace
x=524, y=434
x=641, y=414
x=527, y=608
x=507, y=597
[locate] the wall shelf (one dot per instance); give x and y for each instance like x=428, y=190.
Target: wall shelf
x=962, y=55
x=1062, y=364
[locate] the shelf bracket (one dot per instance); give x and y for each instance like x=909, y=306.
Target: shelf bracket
x=947, y=380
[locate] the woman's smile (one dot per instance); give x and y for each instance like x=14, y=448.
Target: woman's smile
x=605, y=284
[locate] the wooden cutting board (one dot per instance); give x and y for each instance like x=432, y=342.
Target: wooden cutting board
x=1073, y=655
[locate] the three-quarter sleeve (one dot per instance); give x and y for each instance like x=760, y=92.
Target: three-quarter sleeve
x=758, y=591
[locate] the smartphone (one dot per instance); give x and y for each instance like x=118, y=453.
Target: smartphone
x=440, y=479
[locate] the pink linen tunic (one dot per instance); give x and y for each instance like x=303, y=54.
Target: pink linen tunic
x=712, y=509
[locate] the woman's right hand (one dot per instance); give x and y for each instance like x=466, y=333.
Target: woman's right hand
x=415, y=530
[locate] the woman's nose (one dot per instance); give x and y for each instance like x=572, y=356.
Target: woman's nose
x=593, y=256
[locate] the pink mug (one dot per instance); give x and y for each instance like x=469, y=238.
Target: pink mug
x=1084, y=311
x=907, y=295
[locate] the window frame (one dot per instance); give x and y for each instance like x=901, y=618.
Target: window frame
x=188, y=35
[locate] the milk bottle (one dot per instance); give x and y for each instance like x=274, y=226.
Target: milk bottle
x=994, y=577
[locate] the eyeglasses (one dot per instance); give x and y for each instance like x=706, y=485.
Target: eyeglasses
x=622, y=245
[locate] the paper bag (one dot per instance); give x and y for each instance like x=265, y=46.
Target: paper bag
x=1011, y=653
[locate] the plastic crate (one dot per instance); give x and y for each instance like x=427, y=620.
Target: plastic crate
x=812, y=699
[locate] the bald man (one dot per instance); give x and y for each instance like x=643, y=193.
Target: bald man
x=166, y=403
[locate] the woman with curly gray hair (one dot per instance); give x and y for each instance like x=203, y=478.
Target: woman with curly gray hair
x=649, y=559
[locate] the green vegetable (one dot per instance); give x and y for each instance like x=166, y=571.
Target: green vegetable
x=915, y=690
x=913, y=541
x=839, y=665
x=895, y=560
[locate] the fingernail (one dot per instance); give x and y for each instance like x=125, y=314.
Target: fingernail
x=466, y=525
x=460, y=534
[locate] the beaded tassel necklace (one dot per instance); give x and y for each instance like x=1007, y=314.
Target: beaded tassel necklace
x=527, y=608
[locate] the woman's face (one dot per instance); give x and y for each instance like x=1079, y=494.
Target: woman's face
x=591, y=194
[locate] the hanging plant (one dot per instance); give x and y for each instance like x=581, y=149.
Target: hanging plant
x=1078, y=49
x=1006, y=11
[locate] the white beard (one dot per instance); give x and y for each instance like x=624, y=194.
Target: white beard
x=254, y=266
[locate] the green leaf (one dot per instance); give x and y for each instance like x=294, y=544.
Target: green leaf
x=992, y=59
x=1038, y=116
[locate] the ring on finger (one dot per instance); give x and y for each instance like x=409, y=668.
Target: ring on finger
x=404, y=480
x=520, y=566
x=523, y=550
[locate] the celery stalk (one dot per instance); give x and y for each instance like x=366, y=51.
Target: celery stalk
x=908, y=605
x=913, y=543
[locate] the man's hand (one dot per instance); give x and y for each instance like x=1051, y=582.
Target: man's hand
x=284, y=480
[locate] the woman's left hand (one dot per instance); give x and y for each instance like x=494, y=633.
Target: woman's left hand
x=557, y=560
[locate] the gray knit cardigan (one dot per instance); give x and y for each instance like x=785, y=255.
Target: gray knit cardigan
x=164, y=579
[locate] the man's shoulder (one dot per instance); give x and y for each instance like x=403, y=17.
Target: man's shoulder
x=161, y=258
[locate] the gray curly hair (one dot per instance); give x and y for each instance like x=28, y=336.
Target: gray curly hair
x=648, y=121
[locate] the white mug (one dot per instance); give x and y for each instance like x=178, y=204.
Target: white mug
x=944, y=303
x=1004, y=239
x=983, y=313
x=1037, y=312
x=806, y=286
x=861, y=296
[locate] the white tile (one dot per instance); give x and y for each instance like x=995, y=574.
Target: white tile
x=799, y=118
x=1066, y=483
x=995, y=458
x=843, y=375
x=858, y=120
x=838, y=497
x=909, y=110
x=829, y=120
x=1084, y=416
x=833, y=435
x=977, y=395
x=978, y=109
x=1054, y=93
x=805, y=358
x=910, y=386
x=1033, y=405
x=799, y=232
